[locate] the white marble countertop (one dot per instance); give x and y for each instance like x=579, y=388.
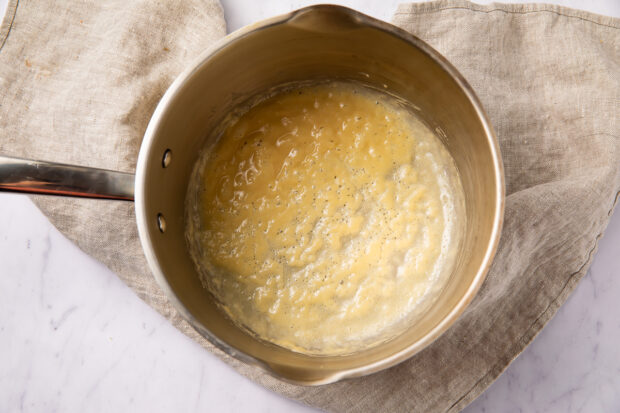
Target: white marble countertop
x=73, y=337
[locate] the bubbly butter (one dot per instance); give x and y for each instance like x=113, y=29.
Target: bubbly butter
x=325, y=218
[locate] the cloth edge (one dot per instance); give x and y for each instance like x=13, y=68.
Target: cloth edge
x=537, y=326
x=522, y=8
x=7, y=21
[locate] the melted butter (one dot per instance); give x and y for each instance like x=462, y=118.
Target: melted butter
x=325, y=218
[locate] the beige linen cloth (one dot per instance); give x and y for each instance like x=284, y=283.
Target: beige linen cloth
x=80, y=79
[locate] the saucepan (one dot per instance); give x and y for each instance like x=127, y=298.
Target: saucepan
x=318, y=42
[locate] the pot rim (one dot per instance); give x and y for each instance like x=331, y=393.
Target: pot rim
x=143, y=221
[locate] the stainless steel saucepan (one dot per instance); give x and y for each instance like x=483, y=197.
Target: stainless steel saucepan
x=319, y=42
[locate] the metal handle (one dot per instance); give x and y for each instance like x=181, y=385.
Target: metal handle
x=25, y=175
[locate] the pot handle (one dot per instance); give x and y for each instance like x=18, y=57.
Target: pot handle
x=38, y=177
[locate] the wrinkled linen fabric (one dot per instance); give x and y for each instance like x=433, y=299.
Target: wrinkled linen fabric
x=80, y=79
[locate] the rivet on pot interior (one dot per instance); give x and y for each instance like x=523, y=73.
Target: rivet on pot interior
x=161, y=223
x=165, y=162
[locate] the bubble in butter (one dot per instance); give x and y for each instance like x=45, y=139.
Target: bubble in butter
x=325, y=218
